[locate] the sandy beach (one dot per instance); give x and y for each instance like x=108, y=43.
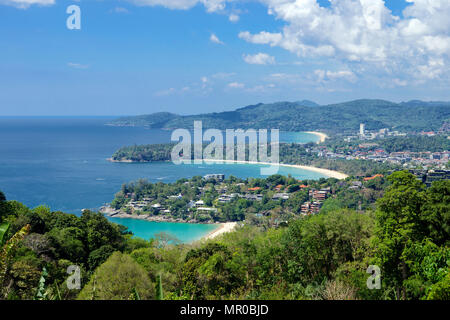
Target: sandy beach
x=224, y=228
x=124, y=161
x=321, y=135
x=326, y=172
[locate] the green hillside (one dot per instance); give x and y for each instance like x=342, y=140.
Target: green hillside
x=304, y=116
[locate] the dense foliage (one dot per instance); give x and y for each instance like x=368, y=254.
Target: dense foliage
x=301, y=116
x=323, y=256
x=53, y=240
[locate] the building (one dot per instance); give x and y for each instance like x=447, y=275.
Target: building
x=199, y=203
x=279, y=187
x=217, y=176
x=319, y=195
x=254, y=197
x=310, y=207
x=362, y=130
x=374, y=177
x=206, y=209
x=430, y=176
x=225, y=198
x=280, y=196
x=436, y=175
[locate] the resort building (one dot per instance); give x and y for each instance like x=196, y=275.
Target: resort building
x=310, y=207
x=362, y=130
x=254, y=197
x=280, y=196
x=206, y=209
x=225, y=198
x=319, y=195
x=218, y=177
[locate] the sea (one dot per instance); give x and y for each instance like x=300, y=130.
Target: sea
x=61, y=162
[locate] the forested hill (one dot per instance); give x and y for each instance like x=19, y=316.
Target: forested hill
x=306, y=115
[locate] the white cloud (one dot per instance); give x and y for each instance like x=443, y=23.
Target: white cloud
x=343, y=74
x=399, y=82
x=24, y=4
x=259, y=58
x=170, y=4
x=205, y=82
x=120, y=10
x=233, y=17
x=261, y=88
x=210, y=5
x=167, y=92
x=364, y=34
x=77, y=65
x=262, y=38
x=327, y=75
x=236, y=85
x=215, y=39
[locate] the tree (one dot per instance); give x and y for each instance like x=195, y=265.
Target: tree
x=207, y=273
x=100, y=232
x=436, y=213
x=316, y=246
x=118, y=278
x=441, y=290
x=6, y=260
x=4, y=207
x=159, y=288
x=97, y=257
x=398, y=226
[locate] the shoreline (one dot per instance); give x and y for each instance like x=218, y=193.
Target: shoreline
x=223, y=228
x=121, y=161
x=147, y=217
x=322, y=136
x=329, y=173
x=326, y=172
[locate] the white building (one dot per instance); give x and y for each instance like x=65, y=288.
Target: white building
x=362, y=129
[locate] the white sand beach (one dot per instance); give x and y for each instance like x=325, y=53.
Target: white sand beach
x=224, y=228
x=326, y=172
x=321, y=135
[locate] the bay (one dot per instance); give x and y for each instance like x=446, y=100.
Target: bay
x=61, y=163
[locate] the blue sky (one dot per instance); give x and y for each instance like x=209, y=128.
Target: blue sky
x=194, y=56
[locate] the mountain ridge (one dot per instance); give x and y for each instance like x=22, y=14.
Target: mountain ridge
x=305, y=115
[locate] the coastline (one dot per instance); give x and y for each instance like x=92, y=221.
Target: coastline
x=325, y=172
x=322, y=136
x=223, y=228
x=146, y=217
x=329, y=173
x=120, y=161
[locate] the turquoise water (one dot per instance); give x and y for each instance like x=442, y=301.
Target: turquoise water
x=61, y=163
x=185, y=232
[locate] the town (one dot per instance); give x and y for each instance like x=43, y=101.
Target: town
x=367, y=145
x=213, y=199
